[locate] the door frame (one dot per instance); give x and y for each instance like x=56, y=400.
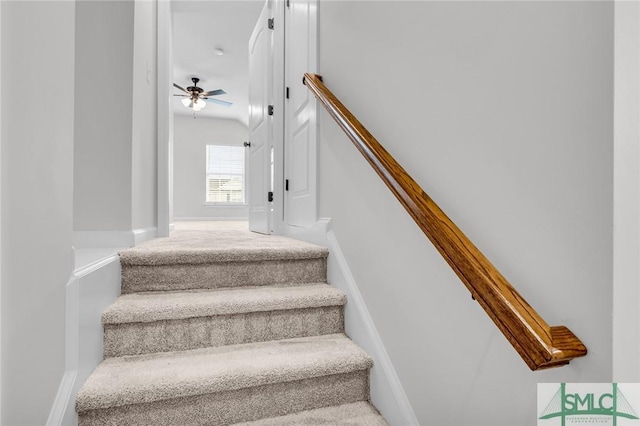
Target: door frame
x=164, y=196
x=277, y=220
x=164, y=119
x=164, y=193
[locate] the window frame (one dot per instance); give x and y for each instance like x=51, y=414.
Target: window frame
x=208, y=174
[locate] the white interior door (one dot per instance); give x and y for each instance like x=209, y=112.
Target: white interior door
x=259, y=151
x=300, y=109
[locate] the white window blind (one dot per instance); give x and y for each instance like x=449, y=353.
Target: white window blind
x=225, y=174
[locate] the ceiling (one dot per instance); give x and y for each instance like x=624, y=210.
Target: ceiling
x=201, y=27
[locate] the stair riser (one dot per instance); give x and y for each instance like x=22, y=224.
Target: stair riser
x=192, y=333
x=136, y=278
x=240, y=405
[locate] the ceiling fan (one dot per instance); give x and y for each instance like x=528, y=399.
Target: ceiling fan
x=195, y=96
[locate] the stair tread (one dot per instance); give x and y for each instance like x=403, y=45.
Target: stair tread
x=166, y=305
x=159, y=376
x=199, y=247
x=357, y=413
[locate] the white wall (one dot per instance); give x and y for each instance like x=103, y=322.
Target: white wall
x=37, y=205
x=502, y=111
x=115, y=132
x=144, y=126
x=189, y=169
x=114, y=149
x=626, y=295
x=103, y=118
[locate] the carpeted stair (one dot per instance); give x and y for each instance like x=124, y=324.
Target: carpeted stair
x=218, y=327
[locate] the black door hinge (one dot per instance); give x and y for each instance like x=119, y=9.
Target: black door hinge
x=270, y=110
x=270, y=23
x=286, y=93
x=286, y=184
x=270, y=196
x=288, y=3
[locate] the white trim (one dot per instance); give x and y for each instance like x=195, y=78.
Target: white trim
x=390, y=383
x=387, y=393
x=1, y=203
x=276, y=220
x=144, y=234
x=316, y=234
x=67, y=384
x=94, y=239
x=626, y=193
x=64, y=403
x=210, y=219
x=60, y=404
x=164, y=117
x=226, y=206
x=72, y=320
x=93, y=266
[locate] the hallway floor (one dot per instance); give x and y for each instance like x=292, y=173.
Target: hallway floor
x=211, y=225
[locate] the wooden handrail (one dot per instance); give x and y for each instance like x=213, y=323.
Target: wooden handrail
x=539, y=345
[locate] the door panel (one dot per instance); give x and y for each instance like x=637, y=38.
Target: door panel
x=300, y=122
x=299, y=186
x=259, y=157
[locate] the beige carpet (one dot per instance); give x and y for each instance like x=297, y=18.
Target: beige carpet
x=221, y=244
x=212, y=225
x=357, y=413
x=207, y=255
x=217, y=326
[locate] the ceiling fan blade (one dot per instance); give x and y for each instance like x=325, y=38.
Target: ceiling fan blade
x=219, y=102
x=181, y=88
x=214, y=93
x=184, y=96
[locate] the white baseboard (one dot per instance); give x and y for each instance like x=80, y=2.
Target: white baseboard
x=72, y=320
x=60, y=404
x=85, y=300
x=397, y=410
x=208, y=219
x=144, y=234
x=95, y=239
x=387, y=393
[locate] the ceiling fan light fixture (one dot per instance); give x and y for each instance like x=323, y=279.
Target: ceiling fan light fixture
x=194, y=96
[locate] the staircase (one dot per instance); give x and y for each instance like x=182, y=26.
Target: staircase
x=218, y=327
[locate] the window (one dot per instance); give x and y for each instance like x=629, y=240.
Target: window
x=225, y=174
